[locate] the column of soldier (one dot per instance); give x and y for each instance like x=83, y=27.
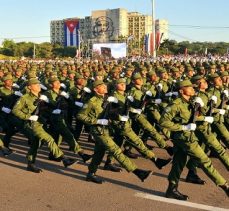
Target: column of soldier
x=122, y=105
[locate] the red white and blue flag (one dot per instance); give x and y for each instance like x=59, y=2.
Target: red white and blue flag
x=148, y=42
x=71, y=33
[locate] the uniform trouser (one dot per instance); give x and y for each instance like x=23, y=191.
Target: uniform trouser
x=60, y=128
x=133, y=139
x=183, y=149
x=222, y=132
x=104, y=142
x=1, y=143
x=41, y=136
x=8, y=127
x=78, y=129
x=144, y=123
x=209, y=139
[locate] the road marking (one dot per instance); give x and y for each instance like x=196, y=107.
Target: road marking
x=178, y=202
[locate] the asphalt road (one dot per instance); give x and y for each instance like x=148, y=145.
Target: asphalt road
x=59, y=188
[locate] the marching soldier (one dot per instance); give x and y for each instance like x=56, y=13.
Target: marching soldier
x=25, y=109
x=177, y=119
x=95, y=115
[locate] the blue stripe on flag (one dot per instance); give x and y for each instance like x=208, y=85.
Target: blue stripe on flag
x=65, y=34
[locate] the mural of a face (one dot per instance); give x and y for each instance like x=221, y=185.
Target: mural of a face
x=103, y=27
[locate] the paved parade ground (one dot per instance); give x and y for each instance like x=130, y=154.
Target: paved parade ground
x=58, y=188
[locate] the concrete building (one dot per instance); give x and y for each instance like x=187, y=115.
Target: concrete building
x=57, y=31
x=162, y=28
x=139, y=25
x=109, y=25
x=105, y=26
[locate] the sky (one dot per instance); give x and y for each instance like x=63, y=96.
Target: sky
x=189, y=20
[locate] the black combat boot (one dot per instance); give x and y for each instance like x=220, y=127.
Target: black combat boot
x=142, y=174
x=84, y=156
x=225, y=187
x=67, y=161
x=32, y=167
x=129, y=154
x=169, y=150
x=192, y=177
x=91, y=177
x=51, y=157
x=160, y=163
x=110, y=167
x=6, y=151
x=173, y=193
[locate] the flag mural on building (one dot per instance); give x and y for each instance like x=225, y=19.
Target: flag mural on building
x=71, y=33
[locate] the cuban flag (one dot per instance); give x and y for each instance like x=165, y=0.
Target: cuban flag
x=149, y=43
x=71, y=33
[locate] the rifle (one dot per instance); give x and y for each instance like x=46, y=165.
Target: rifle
x=196, y=113
x=223, y=101
x=210, y=111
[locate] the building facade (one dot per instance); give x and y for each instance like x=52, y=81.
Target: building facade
x=104, y=26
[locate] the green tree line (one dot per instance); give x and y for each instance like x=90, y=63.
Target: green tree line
x=48, y=50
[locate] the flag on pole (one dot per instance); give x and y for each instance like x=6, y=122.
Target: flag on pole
x=148, y=42
x=71, y=32
x=186, y=51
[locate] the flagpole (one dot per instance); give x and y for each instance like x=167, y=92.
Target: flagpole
x=153, y=28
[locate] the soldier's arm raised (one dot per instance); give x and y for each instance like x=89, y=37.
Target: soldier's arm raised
x=17, y=109
x=167, y=118
x=86, y=114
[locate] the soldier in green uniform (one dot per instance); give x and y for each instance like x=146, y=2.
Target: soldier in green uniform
x=121, y=127
x=58, y=126
x=216, y=91
x=177, y=118
x=8, y=99
x=95, y=115
x=207, y=139
x=26, y=109
x=79, y=95
x=140, y=120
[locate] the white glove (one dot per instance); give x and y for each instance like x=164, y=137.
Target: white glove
x=56, y=111
x=226, y=93
x=130, y=98
x=17, y=93
x=160, y=86
x=149, y=93
x=102, y=121
x=33, y=118
x=23, y=78
x=112, y=99
x=157, y=101
x=174, y=80
x=16, y=86
x=136, y=111
x=44, y=98
x=6, y=110
x=63, y=85
x=175, y=93
x=64, y=94
x=169, y=94
x=86, y=89
x=43, y=87
x=209, y=119
x=189, y=127
x=79, y=104
x=214, y=98
x=222, y=111
x=123, y=118
x=199, y=101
